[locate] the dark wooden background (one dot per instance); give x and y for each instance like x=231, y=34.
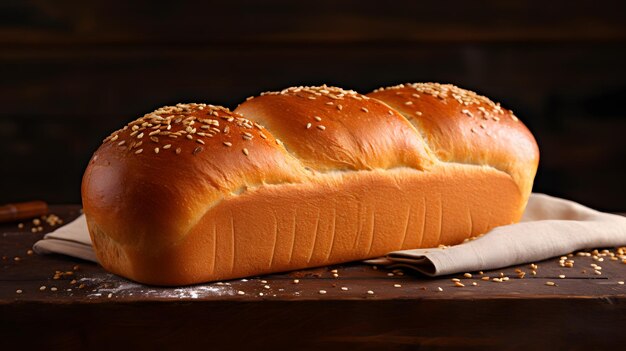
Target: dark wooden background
x=73, y=71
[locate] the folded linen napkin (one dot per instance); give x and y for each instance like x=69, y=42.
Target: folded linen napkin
x=71, y=239
x=550, y=227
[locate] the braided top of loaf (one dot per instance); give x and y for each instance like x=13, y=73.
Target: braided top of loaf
x=464, y=127
x=291, y=136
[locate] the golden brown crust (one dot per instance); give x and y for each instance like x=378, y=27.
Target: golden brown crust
x=151, y=181
x=233, y=201
x=274, y=228
x=462, y=126
x=329, y=128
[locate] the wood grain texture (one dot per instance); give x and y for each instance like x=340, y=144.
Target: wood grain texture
x=584, y=310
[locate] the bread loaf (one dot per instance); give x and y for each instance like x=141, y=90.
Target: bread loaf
x=305, y=177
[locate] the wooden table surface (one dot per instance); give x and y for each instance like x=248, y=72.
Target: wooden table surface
x=59, y=302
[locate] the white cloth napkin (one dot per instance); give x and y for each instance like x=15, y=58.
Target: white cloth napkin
x=71, y=239
x=550, y=227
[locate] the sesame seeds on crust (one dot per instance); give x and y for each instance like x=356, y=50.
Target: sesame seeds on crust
x=333, y=93
x=487, y=108
x=186, y=125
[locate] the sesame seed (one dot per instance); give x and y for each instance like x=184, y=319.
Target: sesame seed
x=139, y=151
x=339, y=107
x=18, y=291
x=321, y=127
x=370, y=292
x=200, y=141
x=262, y=135
x=485, y=278
x=308, y=125
x=245, y=151
x=317, y=118
x=197, y=150
x=178, y=150
x=364, y=109
x=439, y=288
x=42, y=288
x=240, y=292
x=397, y=285
x=455, y=279
x=467, y=275
x=229, y=144
x=335, y=275
x=620, y=283
x=344, y=288
x=322, y=292
x=550, y=284
x=113, y=138
x=459, y=284
x=140, y=135
x=53, y=289
x=296, y=281
x=266, y=286
x=409, y=103
x=418, y=113
x=165, y=147
x=562, y=276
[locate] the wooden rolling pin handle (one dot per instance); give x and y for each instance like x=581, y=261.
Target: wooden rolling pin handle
x=22, y=210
